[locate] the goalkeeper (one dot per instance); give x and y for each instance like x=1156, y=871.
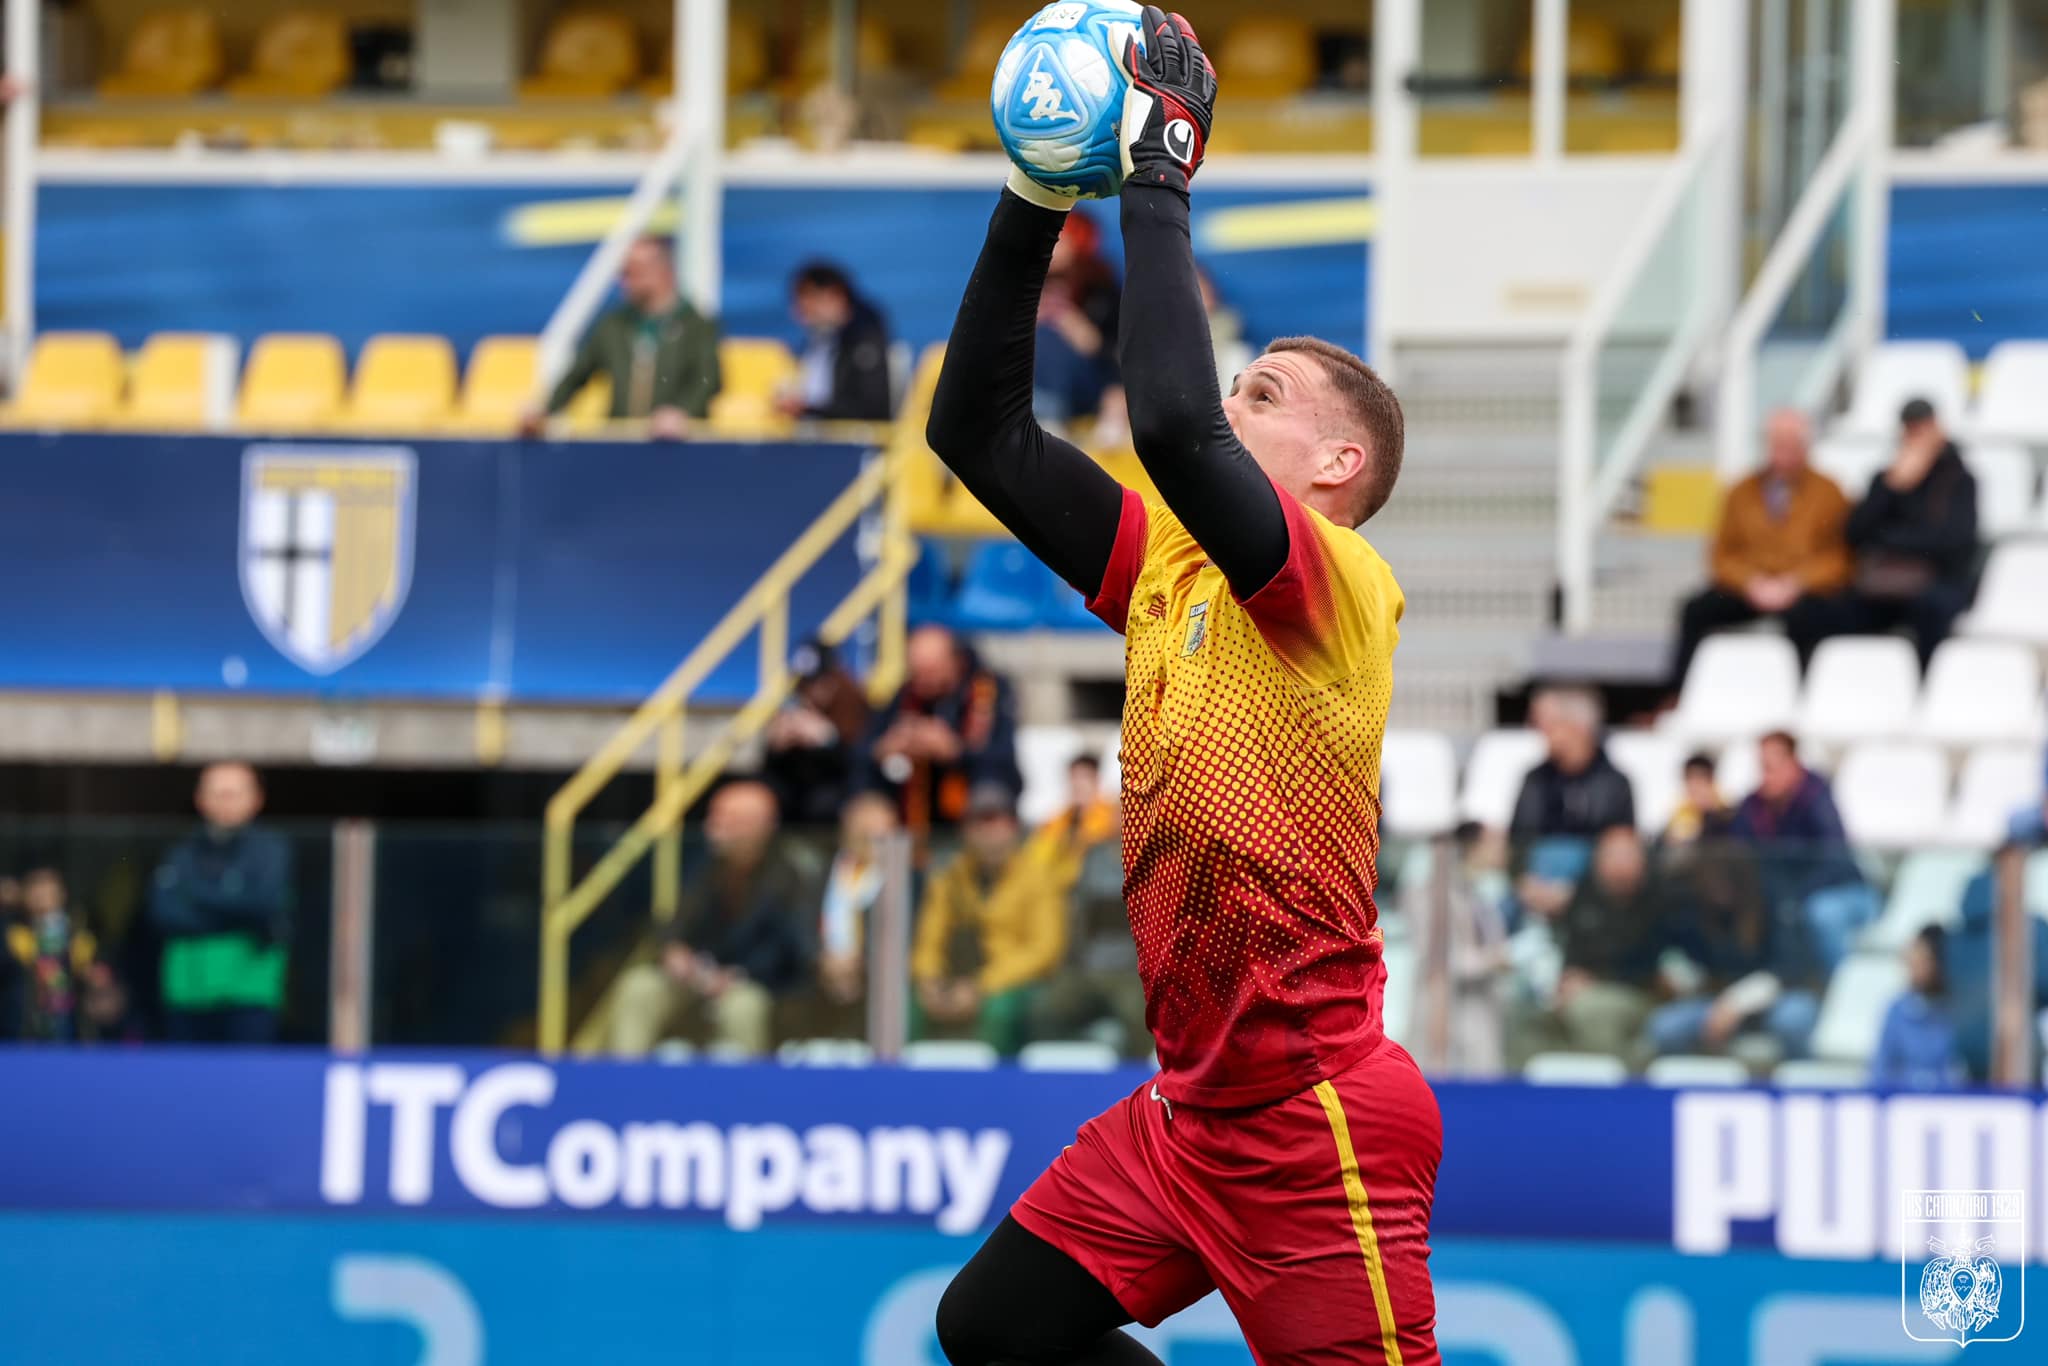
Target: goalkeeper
x=1287, y=1152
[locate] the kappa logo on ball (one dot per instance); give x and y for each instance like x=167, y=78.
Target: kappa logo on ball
x=1970, y=1250
x=1048, y=102
x=1180, y=140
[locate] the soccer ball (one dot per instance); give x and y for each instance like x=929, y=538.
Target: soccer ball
x=1058, y=96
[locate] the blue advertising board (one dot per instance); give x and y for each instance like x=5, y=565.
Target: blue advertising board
x=520, y=570
x=180, y=1207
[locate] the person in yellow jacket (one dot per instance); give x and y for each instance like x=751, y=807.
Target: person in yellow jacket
x=992, y=929
x=1088, y=820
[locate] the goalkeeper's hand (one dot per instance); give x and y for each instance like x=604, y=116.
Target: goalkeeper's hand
x=1171, y=104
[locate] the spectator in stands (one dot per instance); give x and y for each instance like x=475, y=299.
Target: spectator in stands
x=659, y=352
x=1971, y=951
x=950, y=728
x=1702, y=812
x=1810, y=876
x=222, y=903
x=812, y=744
x=992, y=930
x=1076, y=373
x=1915, y=538
x=1096, y=993
x=852, y=886
x=845, y=362
x=1917, y=1048
x=1566, y=801
x=1089, y=820
x=1730, y=964
x=1780, y=548
x=740, y=938
x=52, y=958
x=1609, y=934
x=1477, y=976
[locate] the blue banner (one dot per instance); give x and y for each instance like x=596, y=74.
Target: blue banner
x=1966, y=263
x=433, y=569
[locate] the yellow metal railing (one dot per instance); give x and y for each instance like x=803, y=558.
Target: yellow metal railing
x=568, y=903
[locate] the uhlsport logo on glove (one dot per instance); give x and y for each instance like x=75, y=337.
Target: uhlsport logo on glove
x=1180, y=141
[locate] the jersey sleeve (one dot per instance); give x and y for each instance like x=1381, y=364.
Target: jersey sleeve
x=1334, y=604
x=1112, y=599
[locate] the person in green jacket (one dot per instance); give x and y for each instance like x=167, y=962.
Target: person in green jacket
x=660, y=353
x=222, y=901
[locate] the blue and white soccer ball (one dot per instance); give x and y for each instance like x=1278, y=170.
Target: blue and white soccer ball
x=1058, y=97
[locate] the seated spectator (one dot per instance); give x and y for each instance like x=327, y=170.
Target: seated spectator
x=1780, y=549
x=1968, y=958
x=1810, y=876
x=992, y=930
x=1477, y=973
x=1702, y=812
x=1096, y=993
x=1566, y=801
x=1915, y=538
x=1089, y=819
x=51, y=960
x=950, y=728
x=659, y=352
x=845, y=361
x=1730, y=963
x=812, y=743
x=1917, y=1048
x=1077, y=323
x=1609, y=934
x=223, y=905
x=740, y=938
x=852, y=886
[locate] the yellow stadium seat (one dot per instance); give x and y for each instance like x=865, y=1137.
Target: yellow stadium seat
x=754, y=371
x=746, y=61
x=300, y=55
x=170, y=55
x=978, y=58
x=294, y=383
x=1592, y=50
x=403, y=384
x=591, y=410
x=73, y=380
x=499, y=387
x=587, y=55
x=180, y=382
x=1666, y=53
x=1268, y=57
x=873, y=52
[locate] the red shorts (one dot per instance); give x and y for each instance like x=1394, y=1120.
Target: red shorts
x=1310, y=1214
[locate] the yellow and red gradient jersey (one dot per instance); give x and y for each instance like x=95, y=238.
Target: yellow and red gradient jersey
x=1251, y=775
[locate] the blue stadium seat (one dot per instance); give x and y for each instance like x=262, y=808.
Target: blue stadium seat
x=930, y=585
x=1004, y=588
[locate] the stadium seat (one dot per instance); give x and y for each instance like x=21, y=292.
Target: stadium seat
x=1688, y=1069
x=949, y=1055
x=1665, y=56
x=978, y=58
x=1926, y=890
x=1067, y=1055
x=587, y=55
x=1043, y=753
x=1574, y=1069
x=73, y=380
x=1739, y=685
x=590, y=411
x=1997, y=782
x=1900, y=371
x=1980, y=692
x=404, y=384
x=1892, y=794
x=1494, y=773
x=172, y=54
x=294, y=383
x=1268, y=56
x=1418, y=783
x=2006, y=481
x=499, y=385
x=1808, y=1074
x=2010, y=604
x=1852, y=1013
x=300, y=55
x=181, y=382
x=826, y=1053
x=1592, y=50
x=1859, y=688
x=1005, y=587
x=1851, y=461
x=754, y=371
x=1654, y=762
x=2012, y=404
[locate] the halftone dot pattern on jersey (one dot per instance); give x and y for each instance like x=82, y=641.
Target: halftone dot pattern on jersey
x=1251, y=752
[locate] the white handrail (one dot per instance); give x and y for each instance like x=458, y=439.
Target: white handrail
x=24, y=118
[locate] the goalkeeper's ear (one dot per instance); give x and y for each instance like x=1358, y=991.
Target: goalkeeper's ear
x=1031, y=192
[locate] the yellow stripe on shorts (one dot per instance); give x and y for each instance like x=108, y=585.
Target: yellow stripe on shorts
x=1361, y=1221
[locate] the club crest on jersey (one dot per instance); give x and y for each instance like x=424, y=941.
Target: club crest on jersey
x=1198, y=629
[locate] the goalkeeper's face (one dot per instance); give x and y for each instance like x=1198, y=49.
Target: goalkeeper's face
x=1290, y=416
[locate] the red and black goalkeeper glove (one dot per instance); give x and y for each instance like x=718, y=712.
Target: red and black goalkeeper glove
x=1171, y=103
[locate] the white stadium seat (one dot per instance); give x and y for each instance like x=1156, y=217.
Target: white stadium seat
x=1494, y=773
x=1980, y=692
x=1418, y=783
x=1574, y=1069
x=1851, y=461
x=1997, y=782
x=1927, y=890
x=1892, y=794
x=1067, y=1055
x=2013, y=403
x=1808, y=1074
x=1739, y=685
x=2010, y=602
x=1684, y=1069
x=1737, y=771
x=1654, y=762
x=1043, y=753
x=1852, y=1014
x=949, y=1055
x=2006, y=479
x=1859, y=688
x=1901, y=371
x=826, y=1053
